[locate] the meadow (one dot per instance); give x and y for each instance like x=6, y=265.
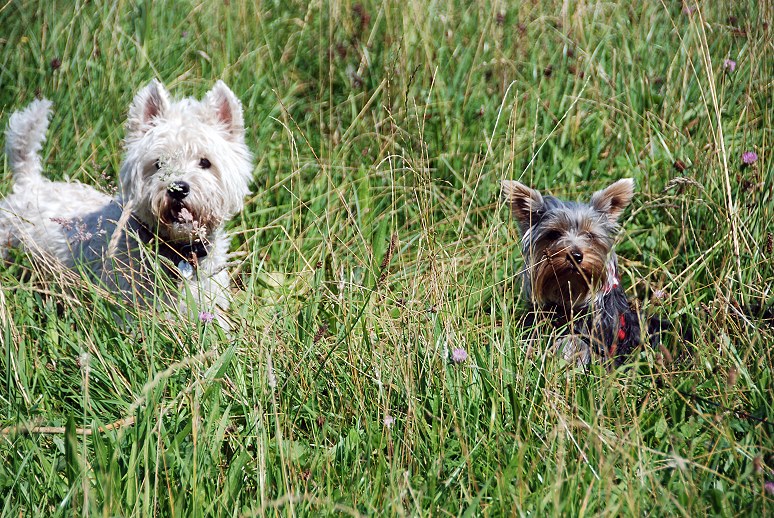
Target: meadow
x=378, y=361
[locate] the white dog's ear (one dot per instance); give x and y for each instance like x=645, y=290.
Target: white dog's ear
x=614, y=199
x=150, y=103
x=227, y=109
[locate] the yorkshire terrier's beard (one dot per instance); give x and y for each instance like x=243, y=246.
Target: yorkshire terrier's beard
x=561, y=281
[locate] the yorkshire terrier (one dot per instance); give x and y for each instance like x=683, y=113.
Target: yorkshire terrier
x=571, y=270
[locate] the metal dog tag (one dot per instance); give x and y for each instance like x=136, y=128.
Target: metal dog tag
x=186, y=270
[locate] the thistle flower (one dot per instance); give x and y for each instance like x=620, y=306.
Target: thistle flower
x=729, y=65
x=749, y=157
x=388, y=421
x=205, y=317
x=768, y=487
x=658, y=296
x=459, y=355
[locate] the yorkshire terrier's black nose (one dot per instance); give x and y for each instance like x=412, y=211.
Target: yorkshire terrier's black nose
x=576, y=256
x=178, y=190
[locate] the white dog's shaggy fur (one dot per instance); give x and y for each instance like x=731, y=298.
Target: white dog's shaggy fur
x=185, y=173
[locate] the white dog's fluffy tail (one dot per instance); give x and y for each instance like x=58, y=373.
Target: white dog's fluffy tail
x=24, y=139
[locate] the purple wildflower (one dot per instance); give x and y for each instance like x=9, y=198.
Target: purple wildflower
x=749, y=157
x=206, y=317
x=768, y=487
x=659, y=294
x=459, y=355
x=66, y=224
x=78, y=229
x=83, y=233
x=729, y=65
x=389, y=421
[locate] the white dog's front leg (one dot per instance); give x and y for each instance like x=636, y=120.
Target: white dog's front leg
x=206, y=298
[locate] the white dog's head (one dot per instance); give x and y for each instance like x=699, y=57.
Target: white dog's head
x=187, y=168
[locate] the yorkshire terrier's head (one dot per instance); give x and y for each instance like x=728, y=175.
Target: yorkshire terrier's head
x=567, y=246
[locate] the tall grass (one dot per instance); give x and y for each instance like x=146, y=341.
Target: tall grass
x=374, y=244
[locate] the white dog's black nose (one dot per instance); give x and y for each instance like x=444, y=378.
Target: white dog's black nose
x=178, y=190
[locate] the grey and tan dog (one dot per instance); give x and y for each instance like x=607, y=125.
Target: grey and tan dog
x=571, y=269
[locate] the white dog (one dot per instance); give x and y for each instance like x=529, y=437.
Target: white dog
x=185, y=173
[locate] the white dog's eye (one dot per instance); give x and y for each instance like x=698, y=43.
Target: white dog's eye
x=204, y=163
x=157, y=164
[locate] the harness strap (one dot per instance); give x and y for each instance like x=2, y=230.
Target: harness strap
x=622, y=328
x=185, y=256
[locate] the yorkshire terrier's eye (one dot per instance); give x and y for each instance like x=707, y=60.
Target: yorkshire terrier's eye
x=204, y=163
x=591, y=235
x=552, y=235
x=157, y=164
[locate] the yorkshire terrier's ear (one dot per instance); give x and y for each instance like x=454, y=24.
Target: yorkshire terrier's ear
x=614, y=199
x=525, y=203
